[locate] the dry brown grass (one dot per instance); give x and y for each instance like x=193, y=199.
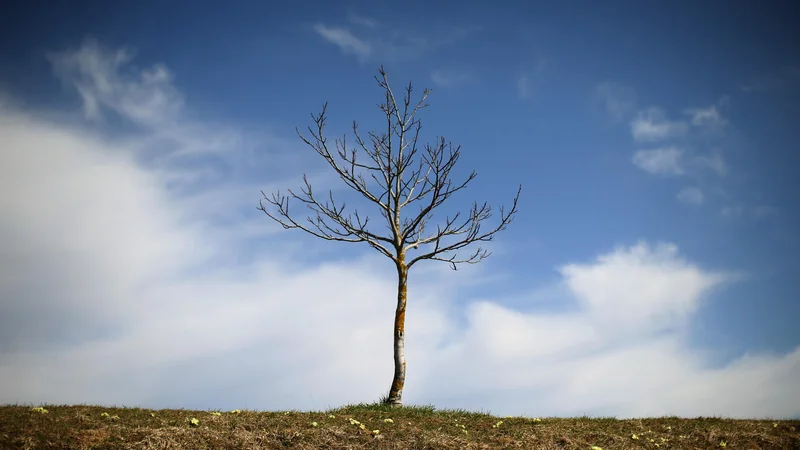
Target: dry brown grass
x=94, y=427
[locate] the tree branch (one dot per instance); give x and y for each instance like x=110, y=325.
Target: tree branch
x=471, y=227
x=390, y=159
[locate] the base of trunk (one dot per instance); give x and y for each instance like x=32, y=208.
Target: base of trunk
x=391, y=401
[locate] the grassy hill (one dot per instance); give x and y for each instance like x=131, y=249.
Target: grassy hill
x=372, y=426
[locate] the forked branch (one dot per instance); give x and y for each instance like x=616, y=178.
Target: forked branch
x=470, y=228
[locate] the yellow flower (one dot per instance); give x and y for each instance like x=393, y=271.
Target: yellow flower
x=362, y=426
x=313, y=424
x=634, y=437
x=594, y=447
x=105, y=414
x=388, y=421
x=194, y=422
x=774, y=425
x=216, y=413
x=152, y=414
x=376, y=431
x=114, y=417
x=331, y=416
x=723, y=444
x=536, y=419
x=39, y=409
x=236, y=411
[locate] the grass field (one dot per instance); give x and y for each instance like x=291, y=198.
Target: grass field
x=371, y=426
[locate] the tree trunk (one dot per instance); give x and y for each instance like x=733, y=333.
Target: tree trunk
x=396, y=392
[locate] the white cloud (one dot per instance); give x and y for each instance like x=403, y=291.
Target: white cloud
x=347, y=42
x=691, y=195
x=706, y=117
x=620, y=353
x=651, y=125
x=733, y=210
x=665, y=161
x=121, y=292
x=450, y=78
x=94, y=71
x=76, y=216
x=652, y=288
x=618, y=101
x=145, y=97
x=389, y=43
x=714, y=161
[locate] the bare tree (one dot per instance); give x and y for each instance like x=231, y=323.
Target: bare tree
x=391, y=156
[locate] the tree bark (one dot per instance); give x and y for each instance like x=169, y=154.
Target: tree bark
x=396, y=392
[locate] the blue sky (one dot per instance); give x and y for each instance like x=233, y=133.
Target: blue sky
x=652, y=268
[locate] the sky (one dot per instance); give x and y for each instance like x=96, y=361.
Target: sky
x=652, y=269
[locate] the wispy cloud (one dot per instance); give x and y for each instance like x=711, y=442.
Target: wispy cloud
x=616, y=100
x=664, y=161
x=751, y=211
x=150, y=100
x=526, y=80
x=362, y=21
x=652, y=124
x=451, y=78
x=691, y=195
x=389, y=42
x=714, y=161
x=146, y=98
x=706, y=126
x=706, y=117
x=345, y=40
x=733, y=210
